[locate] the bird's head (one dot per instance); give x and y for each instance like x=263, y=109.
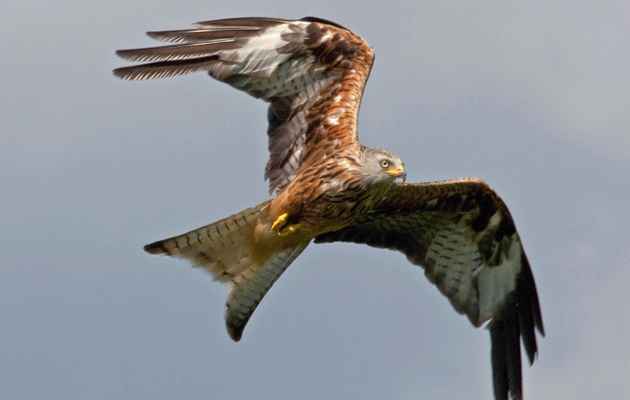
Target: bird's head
x=381, y=166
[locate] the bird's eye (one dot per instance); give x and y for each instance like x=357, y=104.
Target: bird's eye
x=385, y=164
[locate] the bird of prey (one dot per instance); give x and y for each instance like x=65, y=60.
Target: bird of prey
x=331, y=188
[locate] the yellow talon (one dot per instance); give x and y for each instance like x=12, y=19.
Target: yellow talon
x=286, y=230
x=280, y=222
x=281, y=225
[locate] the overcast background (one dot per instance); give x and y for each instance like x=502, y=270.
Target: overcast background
x=534, y=99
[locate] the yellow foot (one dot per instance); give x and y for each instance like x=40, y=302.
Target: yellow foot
x=281, y=225
x=280, y=222
x=287, y=229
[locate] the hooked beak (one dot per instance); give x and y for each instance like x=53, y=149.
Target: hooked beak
x=398, y=173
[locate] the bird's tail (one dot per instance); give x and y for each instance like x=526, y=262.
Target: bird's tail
x=225, y=250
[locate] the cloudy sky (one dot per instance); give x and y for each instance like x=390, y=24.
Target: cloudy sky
x=534, y=99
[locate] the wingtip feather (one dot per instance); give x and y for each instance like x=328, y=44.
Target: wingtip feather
x=506, y=357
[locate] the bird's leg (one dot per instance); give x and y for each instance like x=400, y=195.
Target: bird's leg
x=281, y=224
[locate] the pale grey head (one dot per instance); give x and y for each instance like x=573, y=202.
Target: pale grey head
x=381, y=166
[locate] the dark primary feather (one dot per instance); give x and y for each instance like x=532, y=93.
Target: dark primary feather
x=300, y=67
x=462, y=234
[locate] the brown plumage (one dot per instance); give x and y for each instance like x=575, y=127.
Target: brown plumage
x=331, y=188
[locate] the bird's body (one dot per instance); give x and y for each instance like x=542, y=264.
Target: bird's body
x=332, y=194
x=331, y=188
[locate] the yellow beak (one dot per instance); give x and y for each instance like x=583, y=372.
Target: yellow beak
x=399, y=172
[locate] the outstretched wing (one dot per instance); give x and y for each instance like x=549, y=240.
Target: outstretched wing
x=462, y=234
x=311, y=71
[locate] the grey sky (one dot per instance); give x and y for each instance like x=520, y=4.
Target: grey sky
x=534, y=99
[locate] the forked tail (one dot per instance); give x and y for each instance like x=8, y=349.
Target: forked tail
x=224, y=250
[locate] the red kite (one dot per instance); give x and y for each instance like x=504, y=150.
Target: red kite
x=331, y=188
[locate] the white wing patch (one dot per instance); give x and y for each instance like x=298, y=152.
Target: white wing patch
x=333, y=117
x=496, y=283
